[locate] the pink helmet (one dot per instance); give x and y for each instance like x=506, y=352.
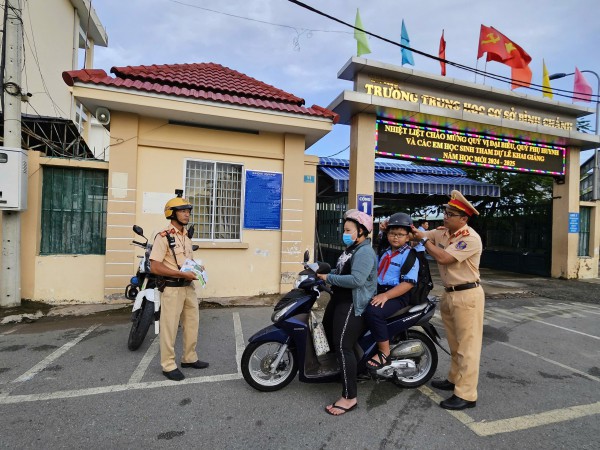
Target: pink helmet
x=362, y=218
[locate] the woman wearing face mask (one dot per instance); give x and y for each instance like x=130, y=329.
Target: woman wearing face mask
x=354, y=283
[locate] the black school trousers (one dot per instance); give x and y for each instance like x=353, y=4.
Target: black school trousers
x=343, y=329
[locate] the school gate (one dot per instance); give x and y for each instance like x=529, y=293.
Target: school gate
x=400, y=113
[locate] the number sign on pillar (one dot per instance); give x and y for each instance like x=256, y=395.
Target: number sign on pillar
x=365, y=203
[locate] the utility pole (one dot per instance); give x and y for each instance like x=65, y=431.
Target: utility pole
x=10, y=273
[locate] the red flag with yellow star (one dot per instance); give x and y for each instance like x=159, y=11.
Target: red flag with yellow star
x=501, y=49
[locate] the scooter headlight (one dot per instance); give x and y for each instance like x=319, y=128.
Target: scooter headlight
x=277, y=315
x=300, y=279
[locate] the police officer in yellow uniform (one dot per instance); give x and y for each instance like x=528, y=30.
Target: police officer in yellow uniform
x=171, y=248
x=457, y=250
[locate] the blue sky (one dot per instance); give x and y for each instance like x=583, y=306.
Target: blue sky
x=279, y=43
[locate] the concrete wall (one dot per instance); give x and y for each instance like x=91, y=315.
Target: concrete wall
x=147, y=164
x=50, y=30
x=55, y=278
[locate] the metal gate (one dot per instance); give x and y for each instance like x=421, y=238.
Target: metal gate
x=328, y=237
x=516, y=238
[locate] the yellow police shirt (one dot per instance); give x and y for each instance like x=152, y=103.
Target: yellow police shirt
x=162, y=252
x=464, y=245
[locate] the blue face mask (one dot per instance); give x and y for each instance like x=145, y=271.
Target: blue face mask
x=348, y=241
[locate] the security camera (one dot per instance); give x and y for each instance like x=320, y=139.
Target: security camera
x=103, y=115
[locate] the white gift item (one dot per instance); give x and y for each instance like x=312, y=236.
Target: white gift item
x=196, y=267
x=318, y=333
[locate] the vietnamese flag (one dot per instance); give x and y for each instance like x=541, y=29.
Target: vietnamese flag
x=442, y=54
x=501, y=49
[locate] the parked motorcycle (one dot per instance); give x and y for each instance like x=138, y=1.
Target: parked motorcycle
x=277, y=352
x=143, y=291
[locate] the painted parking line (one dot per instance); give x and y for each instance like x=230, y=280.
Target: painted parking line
x=140, y=370
x=532, y=319
x=588, y=309
x=559, y=312
x=239, y=341
x=114, y=388
x=489, y=428
x=134, y=381
x=53, y=356
x=551, y=361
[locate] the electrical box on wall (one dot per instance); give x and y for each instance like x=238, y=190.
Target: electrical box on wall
x=13, y=179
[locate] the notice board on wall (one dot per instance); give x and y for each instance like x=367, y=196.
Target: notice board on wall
x=262, y=200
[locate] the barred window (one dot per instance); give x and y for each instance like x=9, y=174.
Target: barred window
x=584, y=231
x=215, y=190
x=73, y=211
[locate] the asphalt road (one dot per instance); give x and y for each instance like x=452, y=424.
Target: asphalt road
x=72, y=383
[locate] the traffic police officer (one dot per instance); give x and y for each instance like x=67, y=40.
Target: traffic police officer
x=178, y=299
x=457, y=250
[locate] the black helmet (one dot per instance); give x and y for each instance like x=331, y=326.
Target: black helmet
x=399, y=220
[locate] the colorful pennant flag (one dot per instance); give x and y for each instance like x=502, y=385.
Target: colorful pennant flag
x=501, y=49
x=362, y=45
x=582, y=91
x=546, y=88
x=407, y=56
x=442, y=54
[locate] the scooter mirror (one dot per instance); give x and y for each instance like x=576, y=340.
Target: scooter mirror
x=195, y=247
x=306, y=256
x=138, y=230
x=190, y=231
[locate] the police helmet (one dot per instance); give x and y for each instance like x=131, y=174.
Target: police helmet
x=176, y=204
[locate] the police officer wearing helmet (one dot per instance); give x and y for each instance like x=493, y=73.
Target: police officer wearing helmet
x=354, y=282
x=178, y=299
x=457, y=249
x=393, y=287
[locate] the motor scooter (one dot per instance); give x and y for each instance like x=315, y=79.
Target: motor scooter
x=141, y=289
x=276, y=353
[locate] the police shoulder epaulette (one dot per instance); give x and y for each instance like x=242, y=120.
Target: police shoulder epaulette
x=163, y=233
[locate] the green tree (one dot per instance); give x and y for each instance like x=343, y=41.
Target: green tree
x=515, y=189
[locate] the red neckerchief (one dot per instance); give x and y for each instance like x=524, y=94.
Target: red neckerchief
x=386, y=260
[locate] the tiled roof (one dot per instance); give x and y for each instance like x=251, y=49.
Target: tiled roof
x=206, y=81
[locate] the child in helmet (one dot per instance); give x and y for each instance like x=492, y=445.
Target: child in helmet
x=392, y=288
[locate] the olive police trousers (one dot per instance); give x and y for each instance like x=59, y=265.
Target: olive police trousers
x=462, y=314
x=176, y=303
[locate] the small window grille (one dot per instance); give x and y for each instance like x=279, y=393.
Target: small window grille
x=215, y=190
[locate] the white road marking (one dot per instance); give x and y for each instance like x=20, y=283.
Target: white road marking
x=489, y=428
x=517, y=316
x=114, y=388
x=561, y=312
x=239, y=341
x=12, y=330
x=53, y=356
x=140, y=370
x=534, y=420
x=551, y=361
x=588, y=309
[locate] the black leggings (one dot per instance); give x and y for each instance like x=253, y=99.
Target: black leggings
x=343, y=328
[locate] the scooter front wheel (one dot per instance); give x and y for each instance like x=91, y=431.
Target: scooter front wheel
x=256, y=366
x=140, y=325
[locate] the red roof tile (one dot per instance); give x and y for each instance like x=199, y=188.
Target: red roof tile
x=207, y=81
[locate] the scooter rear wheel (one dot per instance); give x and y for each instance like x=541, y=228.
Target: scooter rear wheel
x=427, y=363
x=139, y=327
x=256, y=366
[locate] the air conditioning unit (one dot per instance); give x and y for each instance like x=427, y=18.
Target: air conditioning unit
x=13, y=179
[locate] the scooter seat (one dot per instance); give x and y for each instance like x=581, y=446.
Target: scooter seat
x=409, y=308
